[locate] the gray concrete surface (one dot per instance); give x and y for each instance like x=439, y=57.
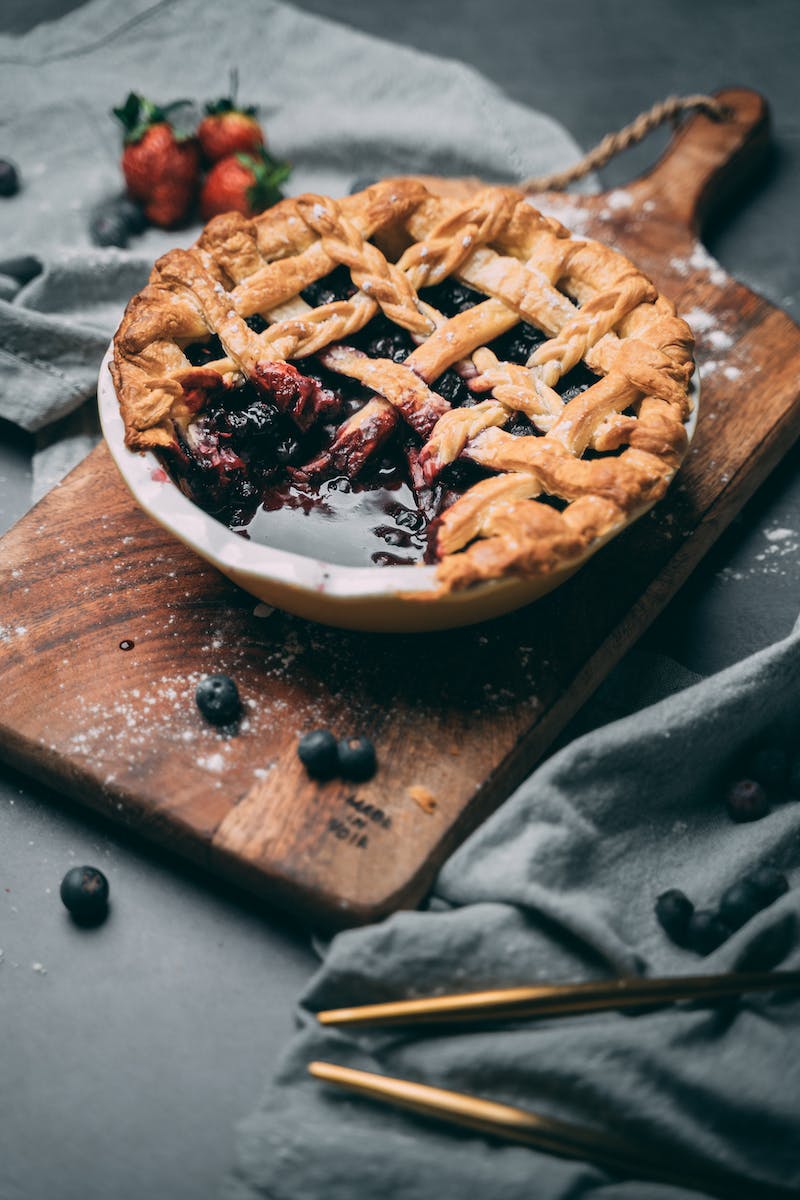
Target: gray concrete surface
x=127, y=1054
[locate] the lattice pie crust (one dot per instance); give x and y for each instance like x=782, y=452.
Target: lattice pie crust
x=594, y=461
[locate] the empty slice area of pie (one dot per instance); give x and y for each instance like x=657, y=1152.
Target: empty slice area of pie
x=395, y=378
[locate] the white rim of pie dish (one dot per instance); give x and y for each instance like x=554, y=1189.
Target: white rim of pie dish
x=161, y=498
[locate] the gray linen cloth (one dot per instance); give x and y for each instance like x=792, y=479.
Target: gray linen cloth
x=559, y=884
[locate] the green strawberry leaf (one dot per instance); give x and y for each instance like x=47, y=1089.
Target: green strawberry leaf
x=137, y=114
x=268, y=174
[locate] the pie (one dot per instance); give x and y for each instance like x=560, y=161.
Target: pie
x=504, y=393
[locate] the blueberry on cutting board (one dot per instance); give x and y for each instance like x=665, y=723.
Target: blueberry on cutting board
x=218, y=699
x=357, y=760
x=318, y=752
x=84, y=892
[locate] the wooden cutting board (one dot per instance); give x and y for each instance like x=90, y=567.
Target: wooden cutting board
x=463, y=715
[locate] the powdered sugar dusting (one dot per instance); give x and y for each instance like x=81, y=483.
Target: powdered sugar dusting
x=619, y=198
x=781, y=556
x=699, y=320
x=700, y=260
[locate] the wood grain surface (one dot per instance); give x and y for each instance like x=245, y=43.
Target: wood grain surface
x=463, y=715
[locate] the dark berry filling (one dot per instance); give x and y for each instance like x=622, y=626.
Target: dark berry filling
x=517, y=344
x=455, y=391
x=336, y=286
x=200, y=353
x=264, y=458
x=574, y=382
x=451, y=297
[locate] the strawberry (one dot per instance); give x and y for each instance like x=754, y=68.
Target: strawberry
x=243, y=183
x=227, y=130
x=160, y=165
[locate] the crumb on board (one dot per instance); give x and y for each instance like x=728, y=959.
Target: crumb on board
x=423, y=797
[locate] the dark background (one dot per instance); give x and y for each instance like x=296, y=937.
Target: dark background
x=129, y=1053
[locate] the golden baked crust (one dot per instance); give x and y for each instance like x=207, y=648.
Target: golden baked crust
x=602, y=456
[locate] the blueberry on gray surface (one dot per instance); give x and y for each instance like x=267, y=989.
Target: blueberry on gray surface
x=673, y=912
x=769, y=766
x=318, y=752
x=132, y=214
x=218, y=699
x=357, y=760
x=746, y=800
x=9, y=178
x=706, y=931
x=84, y=891
x=739, y=903
x=768, y=883
x=108, y=228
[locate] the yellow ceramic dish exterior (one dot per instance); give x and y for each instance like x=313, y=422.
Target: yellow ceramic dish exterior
x=372, y=599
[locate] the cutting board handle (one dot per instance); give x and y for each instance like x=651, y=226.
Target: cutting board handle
x=707, y=160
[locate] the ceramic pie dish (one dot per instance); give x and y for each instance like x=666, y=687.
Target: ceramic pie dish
x=500, y=397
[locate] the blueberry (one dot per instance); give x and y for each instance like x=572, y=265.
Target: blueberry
x=9, y=178
x=747, y=801
x=391, y=346
x=84, y=891
x=452, y=297
x=318, y=752
x=517, y=344
x=706, y=931
x=519, y=426
x=218, y=699
x=338, y=285
x=256, y=322
x=739, y=903
x=132, y=214
x=768, y=883
x=452, y=388
x=769, y=766
x=108, y=228
x=356, y=759
x=673, y=912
